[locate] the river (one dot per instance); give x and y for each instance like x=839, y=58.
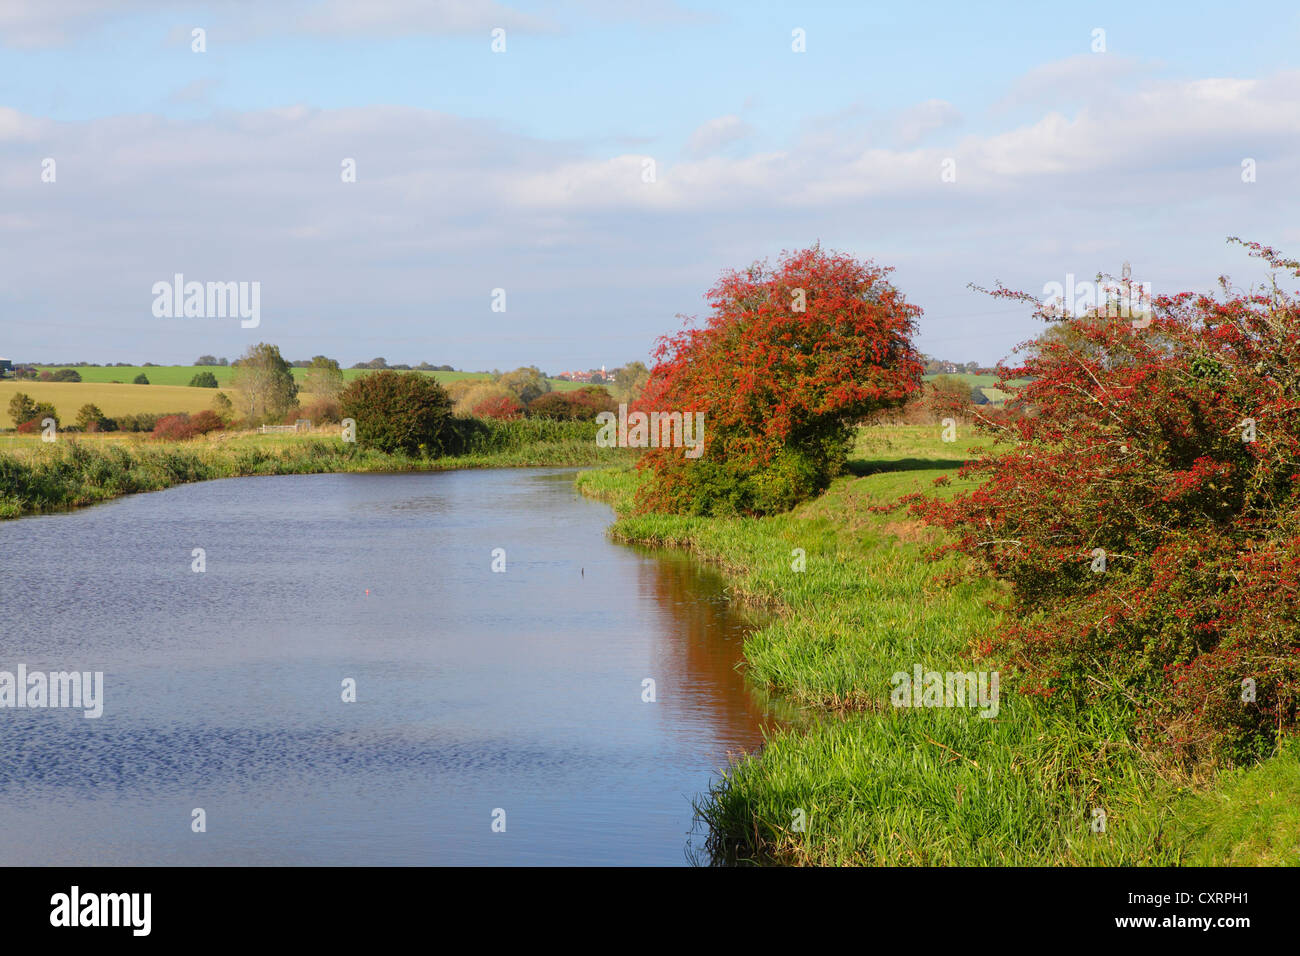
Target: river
x=482, y=696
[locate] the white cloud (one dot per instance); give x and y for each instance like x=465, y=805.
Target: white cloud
x=45, y=23
x=717, y=134
x=40, y=23
x=445, y=209
x=925, y=118
x=440, y=17
x=194, y=92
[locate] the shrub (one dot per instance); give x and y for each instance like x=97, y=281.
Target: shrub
x=206, y=421
x=581, y=405
x=788, y=362
x=399, y=411
x=948, y=397
x=21, y=408
x=66, y=375
x=142, y=421
x=323, y=412
x=91, y=419
x=45, y=410
x=323, y=378
x=203, y=380
x=141, y=379
x=479, y=392
x=1145, y=508
x=484, y=436
x=458, y=389
x=224, y=407
x=498, y=406
x=39, y=412
x=525, y=383
x=183, y=427
x=173, y=428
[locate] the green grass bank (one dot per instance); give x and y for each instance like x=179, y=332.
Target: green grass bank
x=869, y=783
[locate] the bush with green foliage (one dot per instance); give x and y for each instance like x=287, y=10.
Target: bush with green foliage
x=140, y=421
x=203, y=380
x=21, y=408
x=525, y=383
x=400, y=411
x=141, y=379
x=91, y=419
x=40, y=412
x=224, y=407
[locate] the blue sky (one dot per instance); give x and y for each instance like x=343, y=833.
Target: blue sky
x=522, y=170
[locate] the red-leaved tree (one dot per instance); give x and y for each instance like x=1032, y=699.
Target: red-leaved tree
x=498, y=406
x=789, y=359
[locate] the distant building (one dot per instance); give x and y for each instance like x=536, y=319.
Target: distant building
x=588, y=376
x=6, y=367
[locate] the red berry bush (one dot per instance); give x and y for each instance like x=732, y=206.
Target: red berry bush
x=790, y=358
x=1144, y=505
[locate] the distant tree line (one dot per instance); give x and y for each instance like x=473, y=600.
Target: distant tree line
x=935, y=366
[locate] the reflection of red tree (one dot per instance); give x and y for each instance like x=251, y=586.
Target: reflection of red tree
x=698, y=647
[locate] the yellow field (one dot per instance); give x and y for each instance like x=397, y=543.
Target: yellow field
x=113, y=400
x=22, y=446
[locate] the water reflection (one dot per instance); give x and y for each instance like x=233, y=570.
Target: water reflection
x=476, y=690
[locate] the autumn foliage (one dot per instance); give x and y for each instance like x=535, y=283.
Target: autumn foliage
x=498, y=406
x=582, y=404
x=789, y=359
x=1145, y=508
x=183, y=427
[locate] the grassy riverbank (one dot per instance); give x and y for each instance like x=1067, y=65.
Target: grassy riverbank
x=880, y=784
x=38, y=477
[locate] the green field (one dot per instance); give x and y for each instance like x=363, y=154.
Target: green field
x=986, y=383
x=972, y=379
x=181, y=374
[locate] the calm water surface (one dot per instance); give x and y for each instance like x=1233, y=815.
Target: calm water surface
x=475, y=690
